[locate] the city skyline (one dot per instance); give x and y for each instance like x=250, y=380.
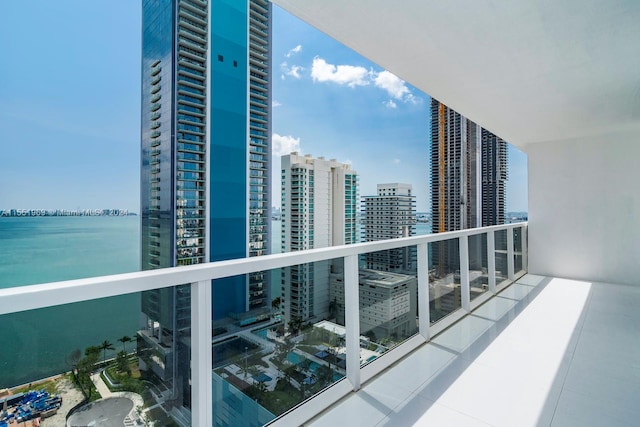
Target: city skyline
x=80, y=121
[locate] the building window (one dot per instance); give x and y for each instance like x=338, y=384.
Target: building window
x=220, y=58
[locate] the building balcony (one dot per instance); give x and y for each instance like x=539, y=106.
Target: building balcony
x=197, y=19
x=540, y=353
x=350, y=356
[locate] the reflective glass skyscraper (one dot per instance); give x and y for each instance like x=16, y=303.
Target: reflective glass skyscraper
x=205, y=159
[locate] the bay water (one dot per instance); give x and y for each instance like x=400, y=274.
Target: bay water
x=33, y=250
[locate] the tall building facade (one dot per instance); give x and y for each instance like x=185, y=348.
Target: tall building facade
x=205, y=159
x=390, y=214
x=387, y=301
x=468, y=177
x=319, y=209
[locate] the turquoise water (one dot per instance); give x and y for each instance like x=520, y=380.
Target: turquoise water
x=36, y=250
x=294, y=358
x=313, y=367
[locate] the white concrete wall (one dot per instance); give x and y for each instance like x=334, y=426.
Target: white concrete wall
x=584, y=209
x=322, y=218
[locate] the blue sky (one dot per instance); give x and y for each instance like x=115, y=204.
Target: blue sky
x=70, y=108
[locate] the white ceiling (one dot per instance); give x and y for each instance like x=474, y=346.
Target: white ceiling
x=529, y=71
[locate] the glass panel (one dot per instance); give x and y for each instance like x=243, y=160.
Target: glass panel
x=266, y=366
x=388, y=295
x=444, y=278
x=501, y=256
x=478, y=265
x=517, y=248
x=164, y=352
x=87, y=351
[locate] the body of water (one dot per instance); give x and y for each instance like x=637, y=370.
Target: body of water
x=34, y=250
x=37, y=343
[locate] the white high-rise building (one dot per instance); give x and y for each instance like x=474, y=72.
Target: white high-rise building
x=319, y=206
x=390, y=214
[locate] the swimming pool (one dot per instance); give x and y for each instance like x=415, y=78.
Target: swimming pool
x=313, y=367
x=294, y=358
x=262, y=378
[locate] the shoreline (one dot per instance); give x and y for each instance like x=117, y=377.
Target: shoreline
x=36, y=382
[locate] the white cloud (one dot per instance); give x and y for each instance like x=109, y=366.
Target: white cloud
x=390, y=104
x=275, y=104
x=341, y=74
x=293, y=71
x=394, y=86
x=412, y=99
x=284, y=144
x=293, y=51
x=352, y=76
x=396, y=161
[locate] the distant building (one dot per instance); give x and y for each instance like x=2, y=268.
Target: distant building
x=319, y=207
x=388, y=303
x=469, y=171
x=390, y=214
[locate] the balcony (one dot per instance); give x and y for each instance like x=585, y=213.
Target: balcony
x=540, y=353
x=354, y=357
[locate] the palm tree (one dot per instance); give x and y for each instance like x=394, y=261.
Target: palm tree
x=92, y=354
x=295, y=324
x=106, y=345
x=124, y=340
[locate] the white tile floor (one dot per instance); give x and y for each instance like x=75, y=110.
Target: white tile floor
x=545, y=351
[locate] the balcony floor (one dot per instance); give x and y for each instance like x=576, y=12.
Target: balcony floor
x=545, y=351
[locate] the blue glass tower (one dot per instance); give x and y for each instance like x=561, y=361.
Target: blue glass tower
x=205, y=161
x=239, y=173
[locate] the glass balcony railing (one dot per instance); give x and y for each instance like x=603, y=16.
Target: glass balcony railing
x=336, y=318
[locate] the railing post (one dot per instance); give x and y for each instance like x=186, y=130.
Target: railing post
x=423, y=290
x=464, y=273
x=491, y=260
x=201, y=362
x=352, y=319
x=510, y=253
x=525, y=253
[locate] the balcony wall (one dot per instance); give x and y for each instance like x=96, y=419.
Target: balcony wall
x=584, y=203
x=378, y=317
